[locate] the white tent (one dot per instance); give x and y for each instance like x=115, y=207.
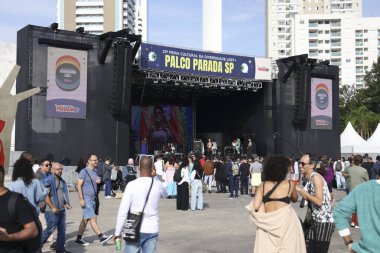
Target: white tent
x=375, y=138
x=350, y=138
x=352, y=143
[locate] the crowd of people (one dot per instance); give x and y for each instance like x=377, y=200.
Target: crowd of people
x=273, y=183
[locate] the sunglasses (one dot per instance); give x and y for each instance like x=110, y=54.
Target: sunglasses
x=46, y=164
x=303, y=164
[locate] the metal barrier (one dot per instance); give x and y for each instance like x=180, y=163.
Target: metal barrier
x=70, y=176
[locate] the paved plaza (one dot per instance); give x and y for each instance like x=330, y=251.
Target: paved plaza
x=223, y=226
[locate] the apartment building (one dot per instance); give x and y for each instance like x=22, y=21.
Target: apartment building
x=346, y=41
x=100, y=16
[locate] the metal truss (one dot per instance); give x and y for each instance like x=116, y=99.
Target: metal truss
x=162, y=78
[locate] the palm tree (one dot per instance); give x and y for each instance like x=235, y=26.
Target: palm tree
x=363, y=120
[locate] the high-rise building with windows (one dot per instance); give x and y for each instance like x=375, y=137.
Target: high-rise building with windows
x=331, y=30
x=279, y=20
x=100, y=16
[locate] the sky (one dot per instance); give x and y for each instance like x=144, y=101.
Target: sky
x=171, y=22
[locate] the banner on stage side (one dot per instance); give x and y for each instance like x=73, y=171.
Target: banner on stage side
x=67, y=83
x=163, y=58
x=321, y=104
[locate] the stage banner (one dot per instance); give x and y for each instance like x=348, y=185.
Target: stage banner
x=321, y=104
x=161, y=125
x=67, y=83
x=163, y=58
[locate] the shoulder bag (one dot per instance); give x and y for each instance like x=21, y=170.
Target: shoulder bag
x=97, y=203
x=131, y=227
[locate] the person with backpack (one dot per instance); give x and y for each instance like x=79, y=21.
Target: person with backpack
x=338, y=169
x=233, y=176
x=17, y=226
x=57, y=201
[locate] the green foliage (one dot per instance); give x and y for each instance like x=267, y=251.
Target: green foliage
x=362, y=107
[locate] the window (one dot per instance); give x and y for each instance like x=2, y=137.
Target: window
x=327, y=32
x=348, y=60
x=327, y=41
x=302, y=22
x=327, y=51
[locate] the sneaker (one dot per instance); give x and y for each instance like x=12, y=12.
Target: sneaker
x=53, y=246
x=82, y=242
x=105, y=238
x=352, y=224
x=356, y=226
x=230, y=197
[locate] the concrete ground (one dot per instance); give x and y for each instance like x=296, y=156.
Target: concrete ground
x=223, y=226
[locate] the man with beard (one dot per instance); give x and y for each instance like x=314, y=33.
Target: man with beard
x=56, y=203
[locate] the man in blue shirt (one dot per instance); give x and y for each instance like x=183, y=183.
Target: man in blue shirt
x=89, y=200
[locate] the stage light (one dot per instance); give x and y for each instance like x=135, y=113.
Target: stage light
x=54, y=26
x=80, y=29
x=223, y=88
x=155, y=81
x=176, y=84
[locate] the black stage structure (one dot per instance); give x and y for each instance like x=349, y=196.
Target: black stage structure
x=223, y=109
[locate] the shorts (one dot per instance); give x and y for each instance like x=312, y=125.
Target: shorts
x=256, y=179
x=89, y=209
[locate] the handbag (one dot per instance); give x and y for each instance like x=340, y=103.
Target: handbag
x=131, y=227
x=204, y=185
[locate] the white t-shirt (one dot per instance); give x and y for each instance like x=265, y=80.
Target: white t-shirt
x=133, y=200
x=159, y=166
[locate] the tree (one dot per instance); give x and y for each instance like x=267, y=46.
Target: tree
x=363, y=120
x=370, y=96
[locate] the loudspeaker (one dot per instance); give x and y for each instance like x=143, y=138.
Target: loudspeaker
x=121, y=79
x=302, y=95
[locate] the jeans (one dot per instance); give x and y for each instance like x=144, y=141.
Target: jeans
x=340, y=181
x=209, y=179
x=234, y=185
x=107, y=191
x=244, y=185
x=146, y=244
x=196, y=191
x=55, y=221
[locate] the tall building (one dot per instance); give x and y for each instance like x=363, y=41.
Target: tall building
x=346, y=41
x=100, y=16
x=331, y=30
x=279, y=20
x=212, y=25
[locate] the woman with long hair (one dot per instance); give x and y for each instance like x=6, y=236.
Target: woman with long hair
x=196, y=187
x=278, y=226
x=24, y=182
x=183, y=186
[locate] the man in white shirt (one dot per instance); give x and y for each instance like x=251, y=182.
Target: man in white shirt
x=133, y=200
x=159, y=166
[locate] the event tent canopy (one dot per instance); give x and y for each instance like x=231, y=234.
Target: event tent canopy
x=375, y=138
x=352, y=143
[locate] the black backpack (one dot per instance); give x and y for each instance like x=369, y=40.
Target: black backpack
x=31, y=245
x=338, y=166
x=177, y=175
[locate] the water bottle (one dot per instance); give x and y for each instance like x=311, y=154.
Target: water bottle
x=118, y=244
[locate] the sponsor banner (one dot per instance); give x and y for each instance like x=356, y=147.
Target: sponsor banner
x=321, y=103
x=263, y=69
x=163, y=58
x=67, y=83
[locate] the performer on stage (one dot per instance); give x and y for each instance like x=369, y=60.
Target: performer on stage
x=249, y=148
x=236, y=145
x=214, y=147
x=209, y=147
